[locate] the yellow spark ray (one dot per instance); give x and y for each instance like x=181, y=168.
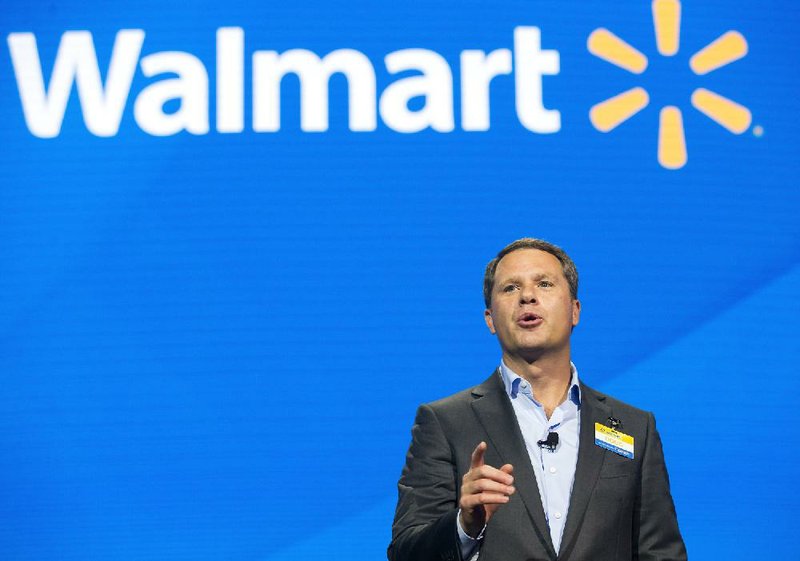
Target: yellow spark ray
x=607, y=46
x=728, y=48
x=729, y=114
x=667, y=23
x=671, y=140
x=608, y=114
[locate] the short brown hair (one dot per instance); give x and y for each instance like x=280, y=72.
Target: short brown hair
x=567, y=266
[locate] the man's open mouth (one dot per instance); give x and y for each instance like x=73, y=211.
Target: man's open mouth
x=529, y=319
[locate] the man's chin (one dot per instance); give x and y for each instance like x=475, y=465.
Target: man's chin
x=533, y=351
x=529, y=354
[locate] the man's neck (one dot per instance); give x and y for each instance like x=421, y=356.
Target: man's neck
x=549, y=378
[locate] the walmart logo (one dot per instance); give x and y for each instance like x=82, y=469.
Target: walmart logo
x=182, y=77
x=608, y=114
x=211, y=95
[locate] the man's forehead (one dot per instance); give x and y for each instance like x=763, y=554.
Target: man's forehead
x=528, y=260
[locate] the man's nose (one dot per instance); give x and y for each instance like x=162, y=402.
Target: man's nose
x=527, y=295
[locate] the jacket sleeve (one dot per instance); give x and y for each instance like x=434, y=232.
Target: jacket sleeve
x=656, y=536
x=424, y=526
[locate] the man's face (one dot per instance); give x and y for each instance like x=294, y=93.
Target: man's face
x=532, y=311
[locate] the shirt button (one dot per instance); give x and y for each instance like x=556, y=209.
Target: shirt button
x=553, y=469
x=557, y=515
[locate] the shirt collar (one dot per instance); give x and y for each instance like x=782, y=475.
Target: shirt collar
x=515, y=384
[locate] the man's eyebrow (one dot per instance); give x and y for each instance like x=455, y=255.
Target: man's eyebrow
x=506, y=280
x=517, y=278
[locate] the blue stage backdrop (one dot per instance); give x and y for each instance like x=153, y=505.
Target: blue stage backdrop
x=241, y=241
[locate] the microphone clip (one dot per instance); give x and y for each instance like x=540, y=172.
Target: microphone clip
x=551, y=442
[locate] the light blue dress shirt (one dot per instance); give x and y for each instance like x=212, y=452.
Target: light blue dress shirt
x=555, y=471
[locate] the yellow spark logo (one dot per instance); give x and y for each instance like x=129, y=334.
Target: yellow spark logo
x=608, y=114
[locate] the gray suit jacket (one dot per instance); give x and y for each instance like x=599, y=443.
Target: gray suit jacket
x=620, y=509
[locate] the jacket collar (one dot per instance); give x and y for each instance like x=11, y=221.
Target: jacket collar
x=594, y=409
x=494, y=411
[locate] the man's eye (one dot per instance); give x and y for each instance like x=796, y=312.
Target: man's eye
x=545, y=283
x=509, y=288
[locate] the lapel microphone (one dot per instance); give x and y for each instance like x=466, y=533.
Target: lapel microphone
x=550, y=443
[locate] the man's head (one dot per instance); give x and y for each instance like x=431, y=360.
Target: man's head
x=567, y=266
x=531, y=306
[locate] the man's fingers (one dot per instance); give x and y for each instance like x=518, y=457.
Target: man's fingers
x=477, y=455
x=479, y=469
x=486, y=485
x=469, y=502
x=488, y=472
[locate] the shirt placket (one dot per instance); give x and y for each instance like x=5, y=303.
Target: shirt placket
x=551, y=476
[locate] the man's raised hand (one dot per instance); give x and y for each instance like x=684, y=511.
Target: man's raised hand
x=483, y=489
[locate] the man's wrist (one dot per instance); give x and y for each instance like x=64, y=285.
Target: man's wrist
x=462, y=533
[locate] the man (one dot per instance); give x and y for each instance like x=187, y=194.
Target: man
x=532, y=464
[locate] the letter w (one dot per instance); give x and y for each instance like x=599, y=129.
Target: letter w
x=76, y=61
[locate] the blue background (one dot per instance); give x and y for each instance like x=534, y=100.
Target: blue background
x=212, y=347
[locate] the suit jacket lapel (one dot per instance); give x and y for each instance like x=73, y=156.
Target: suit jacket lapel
x=496, y=414
x=590, y=460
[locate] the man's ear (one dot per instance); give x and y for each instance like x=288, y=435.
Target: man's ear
x=487, y=317
x=576, y=312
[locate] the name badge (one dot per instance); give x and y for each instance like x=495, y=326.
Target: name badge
x=614, y=440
